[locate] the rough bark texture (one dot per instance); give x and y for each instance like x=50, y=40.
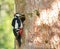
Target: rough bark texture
x=40, y=31
x=20, y=6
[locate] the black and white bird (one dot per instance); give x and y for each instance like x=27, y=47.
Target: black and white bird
x=17, y=23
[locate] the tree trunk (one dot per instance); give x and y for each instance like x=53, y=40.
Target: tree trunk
x=42, y=25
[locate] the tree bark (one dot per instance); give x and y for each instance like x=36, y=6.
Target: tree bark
x=20, y=6
x=39, y=31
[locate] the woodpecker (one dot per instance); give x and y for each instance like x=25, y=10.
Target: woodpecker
x=17, y=24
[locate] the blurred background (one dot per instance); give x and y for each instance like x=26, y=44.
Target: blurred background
x=6, y=16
